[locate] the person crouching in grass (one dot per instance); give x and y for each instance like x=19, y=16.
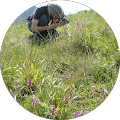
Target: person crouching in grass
x=44, y=21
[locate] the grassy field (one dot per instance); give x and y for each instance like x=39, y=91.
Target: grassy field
x=62, y=79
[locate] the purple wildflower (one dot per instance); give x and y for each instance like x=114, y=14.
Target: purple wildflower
x=77, y=114
x=66, y=36
x=71, y=94
x=57, y=38
x=53, y=111
x=34, y=101
x=79, y=38
x=51, y=114
x=53, y=54
x=13, y=94
x=76, y=29
x=103, y=93
x=108, y=32
x=61, y=46
x=100, y=94
x=63, y=35
x=55, y=115
x=84, y=111
x=33, y=112
x=73, y=100
x=66, y=101
x=97, y=101
x=62, y=40
x=88, y=34
x=29, y=81
x=72, y=74
x=63, y=101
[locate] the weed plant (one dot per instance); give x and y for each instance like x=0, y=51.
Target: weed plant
x=65, y=78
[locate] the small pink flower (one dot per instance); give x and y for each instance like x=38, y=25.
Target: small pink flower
x=88, y=34
x=100, y=94
x=103, y=93
x=66, y=101
x=57, y=38
x=29, y=81
x=71, y=74
x=63, y=101
x=73, y=100
x=62, y=40
x=53, y=111
x=84, y=111
x=61, y=46
x=51, y=114
x=97, y=101
x=33, y=112
x=77, y=114
x=108, y=32
x=13, y=94
x=34, y=101
x=53, y=54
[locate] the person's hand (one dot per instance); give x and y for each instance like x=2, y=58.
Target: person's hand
x=54, y=25
x=62, y=23
x=55, y=20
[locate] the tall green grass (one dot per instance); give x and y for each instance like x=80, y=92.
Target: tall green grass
x=86, y=59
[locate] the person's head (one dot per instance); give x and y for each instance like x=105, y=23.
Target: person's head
x=55, y=11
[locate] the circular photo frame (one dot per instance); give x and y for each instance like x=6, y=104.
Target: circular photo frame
x=60, y=62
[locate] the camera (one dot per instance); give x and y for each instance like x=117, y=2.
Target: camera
x=63, y=19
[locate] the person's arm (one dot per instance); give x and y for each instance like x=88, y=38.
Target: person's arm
x=36, y=28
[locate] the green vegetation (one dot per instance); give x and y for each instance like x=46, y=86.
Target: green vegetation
x=59, y=79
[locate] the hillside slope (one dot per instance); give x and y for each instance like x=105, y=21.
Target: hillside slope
x=72, y=75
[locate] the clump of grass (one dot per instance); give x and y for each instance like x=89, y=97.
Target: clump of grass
x=67, y=74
